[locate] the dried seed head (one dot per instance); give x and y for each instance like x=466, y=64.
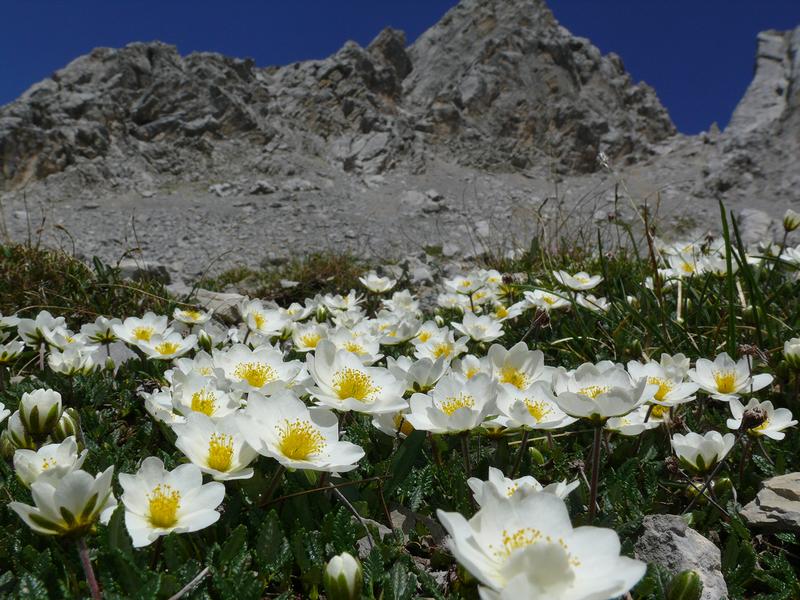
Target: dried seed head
x=672, y=464
x=753, y=418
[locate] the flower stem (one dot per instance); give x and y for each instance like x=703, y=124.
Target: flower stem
x=273, y=484
x=83, y=552
x=745, y=455
x=522, y=447
x=465, y=452
x=596, y=447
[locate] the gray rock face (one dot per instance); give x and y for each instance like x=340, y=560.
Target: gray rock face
x=668, y=541
x=777, y=505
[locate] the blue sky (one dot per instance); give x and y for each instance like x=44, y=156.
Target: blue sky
x=697, y=54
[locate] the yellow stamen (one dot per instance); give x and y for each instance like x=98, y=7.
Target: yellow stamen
x=48, y=463
x=354, y=347
x=593, y=391
x=310, y=340
x=514, y=376
x=537, y=409
x=164, y=505
x=143, y=333
x=443, y=349
x=259, y=320
x=165, y=348
x=726, y=381
x=299, y=439
x=527, y=536
x=659, y=412
x=220, y=451
x=501, y=312
x=453, y=403
x=664, y=387
x=204, y=402
x=193, y=315
x=256, y=374
x=424, y=336
x=350, y=383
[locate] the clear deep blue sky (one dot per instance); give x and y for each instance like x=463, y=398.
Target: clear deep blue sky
x=697, y=54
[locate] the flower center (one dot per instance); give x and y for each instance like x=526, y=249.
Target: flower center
x=204, y=402
x=310, y=340
x=501, y=312
x=165, y=348
x=658, y=411
x=528, y=536
x=401, y=425
x=443, y=349
x=220, y=451
x=761, y=427
x=537, y=409
x=664, y=387
x=514, y=376
x=593, y=391
x=726, y=381
x=255, y=374
x=354, y=347
x=349, y=383
x=48, y=463
x=424, y=336
x=164, y=505
x=453, y=403
x=299, y=439
x=550, y=300
x=142, y=333
x=194, y=315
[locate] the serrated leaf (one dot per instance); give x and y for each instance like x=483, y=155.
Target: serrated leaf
x=400, y=583
x=235, y=543
x=31, y=588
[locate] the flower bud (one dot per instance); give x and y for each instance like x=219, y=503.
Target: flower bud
x=39, y=411
x=791, y=220
x=686, y=585
x=791, y=352
x=721, y=486
x=17, y=435
x=69, y=424
x=343, y=578
x=204, y=341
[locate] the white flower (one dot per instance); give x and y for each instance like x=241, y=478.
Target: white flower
x=684, y=265
x=4, y=412
x=442, y=343
x=337, y=302
x=501, y=487
x=701, y=453
x=159, y=404
x=502, y=312
x=592, y=303
x=168, y=346
x=51, y=461
x=260, y=370
x=10, y=351
x=420, y=375
x=191, y=316
x=393, y=424
x=306, y=336
x=518, y=367
x=580, y=281
x=402, y=303
x=40, y=330
x=343, y=578
x=791, y=220
x=362, y=344
x=777, y=419
x=724, y=379
x=158, y=502
x=134, y=329
x=39, y=411
x=217, y=447
x=528, y=549
x=344, y=383
x=470, y=365
x=791, y=255
x=461, y=284
x=196, y=393
x=8, y=322
x=597, y=392
x=480, y=329
x=454, y=405
x=535, y=407
x=101, y=331
x=376, y=284
x=68, y=505
x=298, y=437
x=672, y=390
x=265, y=321
x=545, y=300
x=634, y=422
x=791, y=352
x=395, y=329
x=72, y=360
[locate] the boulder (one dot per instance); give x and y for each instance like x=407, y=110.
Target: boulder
x=776, y=508
x=669, y=542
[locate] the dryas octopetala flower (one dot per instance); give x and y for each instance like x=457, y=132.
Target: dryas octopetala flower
x=261, y=369
x=69, y=505
x=579, y=281
x=455, y=404
x=343, y=578
x=101, y=331
x=306, y=336
x=49, y=461
x=377, y=284
x=639, y=420
x=598, y=392
x=724, y=379
x=484, y=328
x=440, y=343
x=134, y=330
x=528, y=549
x=167, y=346
x=791, y=220
x=517, y=367
x=39, y=411
x=420, y=375
x=775, y=419
x=700, y=453
x=791, y=352
x=344, y=383
x=217, y=447
x=672, y=390
x=158, y=502
x=72, y=360
x=191, y=316
x=4, y=412
x=197, y=393
x=501, y=486
x=592, y=303
x=298, y=437
x=40, y=330
x=545, y=300
x=534, y=407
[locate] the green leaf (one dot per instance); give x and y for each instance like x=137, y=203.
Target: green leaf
x=400, y=584
x=236, y=543
x=405, y=459
x=31, y=588
x=116, y=534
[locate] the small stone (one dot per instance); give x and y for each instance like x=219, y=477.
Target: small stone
x=669, y=542
x=776, y=508
x=139, y=270
x=261, y=187
x=224, y=305
x=223, y=190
